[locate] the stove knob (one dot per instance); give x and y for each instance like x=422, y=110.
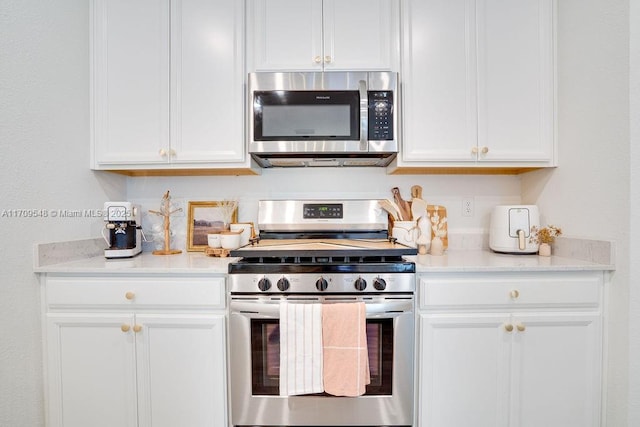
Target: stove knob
x=283, y=284
x=379, y=284
x=322, y=284
x=360, y=284
x=264, y=284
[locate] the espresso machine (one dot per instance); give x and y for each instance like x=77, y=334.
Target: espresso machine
x=123, y=230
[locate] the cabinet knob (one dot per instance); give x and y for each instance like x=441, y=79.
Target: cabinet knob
x=474, y=150
x=514, y=294
x=172, y=152
x=327, y=59
x=137, y=328
x=125, y=328
x=485, y=150
x=130, y=295
x=508, y=327
x=162, y=152
x=520, y=327
x=317, y=59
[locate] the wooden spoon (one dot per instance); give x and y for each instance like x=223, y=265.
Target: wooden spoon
x=418, y=204
x=403, y=205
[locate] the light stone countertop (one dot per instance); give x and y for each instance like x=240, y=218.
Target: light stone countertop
x=86, y=257
x=487, y=261
x=196, y=263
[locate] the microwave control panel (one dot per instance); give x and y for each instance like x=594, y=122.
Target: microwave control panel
x=380, y=115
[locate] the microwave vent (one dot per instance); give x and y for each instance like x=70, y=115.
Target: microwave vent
x=363, y=162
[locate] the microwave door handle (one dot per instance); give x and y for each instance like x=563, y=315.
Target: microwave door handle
x=364, y=115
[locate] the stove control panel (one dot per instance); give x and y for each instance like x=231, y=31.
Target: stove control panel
x=308, y=283
x=322, y=210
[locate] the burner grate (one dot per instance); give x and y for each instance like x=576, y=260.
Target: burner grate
x=310, y=260
x=322, y=264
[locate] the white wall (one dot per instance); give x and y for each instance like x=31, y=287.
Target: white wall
x=634, y=235
x=588, y=195
x=44, y=134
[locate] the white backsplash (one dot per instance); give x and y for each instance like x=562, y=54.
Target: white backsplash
x=327, y=183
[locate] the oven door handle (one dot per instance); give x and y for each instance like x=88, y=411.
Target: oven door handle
x=271, y=309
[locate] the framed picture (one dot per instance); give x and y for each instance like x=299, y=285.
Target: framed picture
x=208, y=217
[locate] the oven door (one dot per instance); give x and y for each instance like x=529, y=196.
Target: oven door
x=254, y=363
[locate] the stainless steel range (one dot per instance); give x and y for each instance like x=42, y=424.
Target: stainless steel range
x=325, y=252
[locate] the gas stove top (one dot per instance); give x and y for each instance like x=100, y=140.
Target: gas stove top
x=322, y=246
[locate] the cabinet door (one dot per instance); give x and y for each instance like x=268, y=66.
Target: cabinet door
x=287, y=35
x=478, y=83
x=360, y=34
x=181, y=370
x=557, y=361
x=130, y=81
x=91, y=371
x=439, y=81
x=207, y=81
x=515, y=80
x=463, y=370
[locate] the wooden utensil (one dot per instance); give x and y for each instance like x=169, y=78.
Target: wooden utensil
x=416, y=192
x=390, y=207
x=418, y=205
x=403, y=205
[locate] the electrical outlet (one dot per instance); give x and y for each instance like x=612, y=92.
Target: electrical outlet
x=467, y=206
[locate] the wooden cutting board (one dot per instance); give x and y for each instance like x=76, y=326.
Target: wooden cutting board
x=440, y=212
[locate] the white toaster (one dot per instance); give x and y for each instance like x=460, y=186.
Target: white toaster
x=510, y=229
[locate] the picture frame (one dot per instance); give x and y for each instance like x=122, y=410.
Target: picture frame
x=208, y=217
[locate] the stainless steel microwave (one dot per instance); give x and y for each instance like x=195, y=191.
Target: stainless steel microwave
x=299, y=119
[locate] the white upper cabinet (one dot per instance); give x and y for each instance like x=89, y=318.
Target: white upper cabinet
x=130, y=72
x=478, y=83
x=207, y=81
x=167, y=84
x=323, y=35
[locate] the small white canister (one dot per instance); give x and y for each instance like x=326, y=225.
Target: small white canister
x=230, y=239
x=246, y=230
x=213, y=240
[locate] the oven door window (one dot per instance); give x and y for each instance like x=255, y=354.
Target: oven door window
x=306, y=115
x=265, y=356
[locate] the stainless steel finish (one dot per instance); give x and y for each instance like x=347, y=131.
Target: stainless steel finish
x=302, y=153
x=287, y=215
x=334, y=268
x=393, y=410
x=364, y=115
x=304, y=283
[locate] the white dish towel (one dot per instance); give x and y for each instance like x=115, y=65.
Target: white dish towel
x=300, y=349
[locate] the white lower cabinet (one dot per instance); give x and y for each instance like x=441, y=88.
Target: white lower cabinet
x=519, y=350
x=123, y=359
